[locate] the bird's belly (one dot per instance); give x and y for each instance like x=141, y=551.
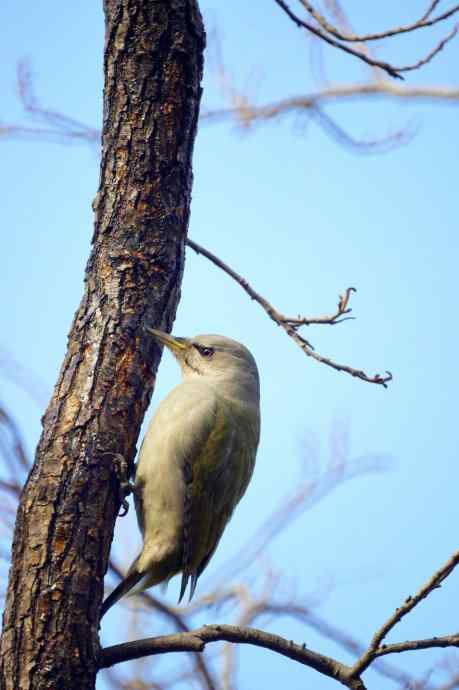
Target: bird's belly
x=161, y=487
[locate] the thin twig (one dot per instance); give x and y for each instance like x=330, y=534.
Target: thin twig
x=392, y=70
x=341, y=637
x=430, y=9
x=375, y=649
x=291, y=325
x=413, y=645
x=422, y=23
x=440, y=45
x=12, y=487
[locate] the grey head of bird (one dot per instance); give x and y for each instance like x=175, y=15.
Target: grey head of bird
x=216, y=359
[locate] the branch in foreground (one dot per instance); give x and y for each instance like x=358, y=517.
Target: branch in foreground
x=392, y=70
x=423, y=22
x=377, y=649
x=291, y=325
x=177, y=619
x=196, y=640
x=341, y=637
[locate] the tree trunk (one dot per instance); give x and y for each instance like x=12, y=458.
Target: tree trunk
x=65, y=521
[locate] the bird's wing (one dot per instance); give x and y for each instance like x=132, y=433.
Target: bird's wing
x=217, y=475
x=181, y=424
x=197, y=450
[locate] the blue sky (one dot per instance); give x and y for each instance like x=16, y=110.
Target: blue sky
x=301, y=218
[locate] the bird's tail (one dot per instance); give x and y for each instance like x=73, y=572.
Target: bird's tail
x=131, y=579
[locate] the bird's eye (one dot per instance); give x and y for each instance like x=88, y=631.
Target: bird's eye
x=205, y=351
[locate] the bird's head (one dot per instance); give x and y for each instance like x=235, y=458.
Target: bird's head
x=211, y=356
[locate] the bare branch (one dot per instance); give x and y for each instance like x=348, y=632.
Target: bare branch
x=154, y=603
x=286, y=322
x=18, y=458
x=196, y=640
x=387, y=142
x=23, y=377
x=265, y=605
x=11, y=487
x=341, y=18
x=240, y=105
x=245, y=113
x=375, y=649
x=392, y=70
x=311, y=105
x=58, y=127
x=341, y=637
x=430, y=9
x=413, y=645
x=70, y=131
x=65, y=130
x=337, y=93
x=421, y=23
x=331, y=319
x=427, y=58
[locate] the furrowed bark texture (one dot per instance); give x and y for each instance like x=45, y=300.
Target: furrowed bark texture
x=64, y=528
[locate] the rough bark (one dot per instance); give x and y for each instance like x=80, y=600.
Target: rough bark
x=65, y=521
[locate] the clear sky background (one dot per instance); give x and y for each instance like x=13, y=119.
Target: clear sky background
x=301, y=218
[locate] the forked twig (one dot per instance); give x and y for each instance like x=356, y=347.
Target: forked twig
x=196, y=641
x=326, y=35
x=338, y=33
x=376, y=648
x=291, y=325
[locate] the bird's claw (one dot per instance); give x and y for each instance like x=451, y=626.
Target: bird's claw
x=126, y=487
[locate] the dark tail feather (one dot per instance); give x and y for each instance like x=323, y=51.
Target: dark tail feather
x=194, y=582
x=123, y=588
x=185, y=578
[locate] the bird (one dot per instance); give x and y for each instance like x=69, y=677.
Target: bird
x=195, y=462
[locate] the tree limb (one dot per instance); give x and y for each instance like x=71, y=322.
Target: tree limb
x=196, y=640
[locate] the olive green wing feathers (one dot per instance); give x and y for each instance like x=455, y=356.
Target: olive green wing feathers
x=216, y=476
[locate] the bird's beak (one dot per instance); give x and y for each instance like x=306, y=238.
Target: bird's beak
x=175, y=345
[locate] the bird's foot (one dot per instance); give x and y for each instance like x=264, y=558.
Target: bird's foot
x=126, y=487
